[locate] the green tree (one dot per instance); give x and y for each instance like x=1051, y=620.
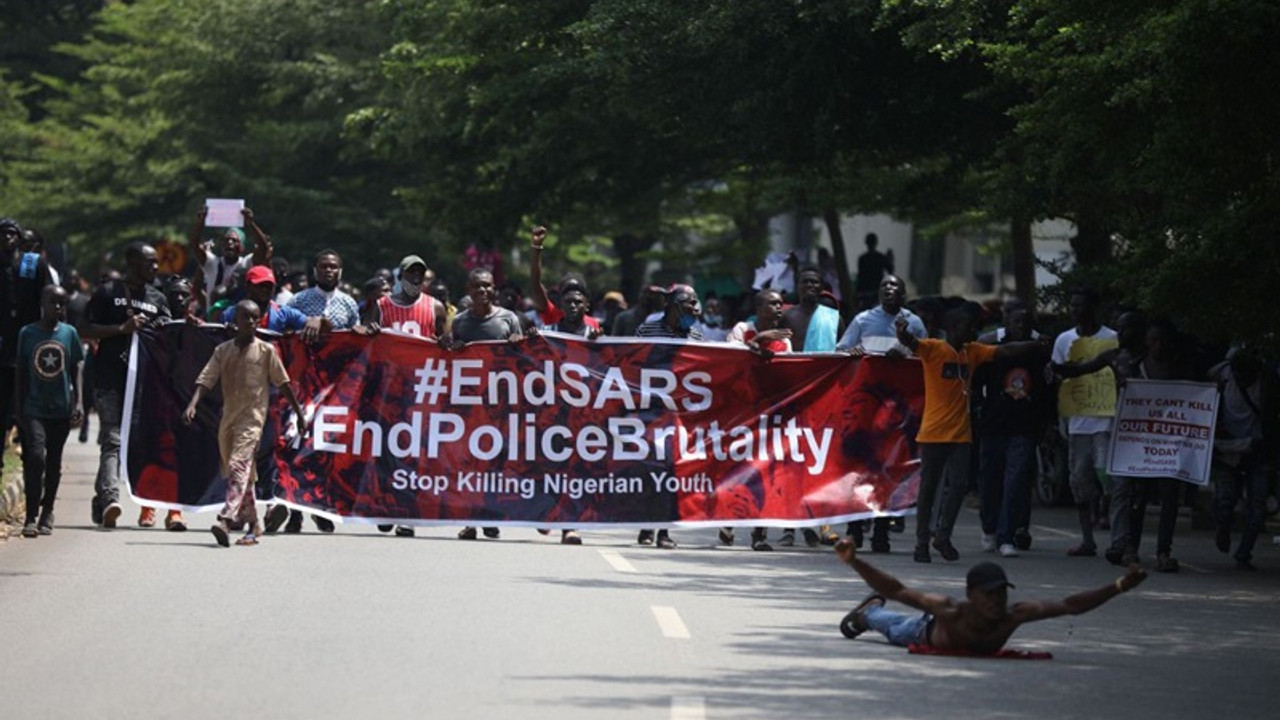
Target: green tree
x=1149, y=124
x=183, y=100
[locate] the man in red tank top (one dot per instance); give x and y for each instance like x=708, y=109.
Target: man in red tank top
x=410, y=310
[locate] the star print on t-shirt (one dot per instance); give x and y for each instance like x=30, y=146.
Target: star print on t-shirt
x=49, y=359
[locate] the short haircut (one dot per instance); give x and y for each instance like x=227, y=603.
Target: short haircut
x=327, y=251
x=248, y=306
x=814, y=269
x=477, y=272
x=136, y=250
x=764, y=294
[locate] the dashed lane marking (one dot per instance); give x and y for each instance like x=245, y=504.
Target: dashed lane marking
x=618, y=562
x=669, y=622
x=688, y=708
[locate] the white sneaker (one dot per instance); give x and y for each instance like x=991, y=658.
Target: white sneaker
x=988, y=543
x=1008, y=550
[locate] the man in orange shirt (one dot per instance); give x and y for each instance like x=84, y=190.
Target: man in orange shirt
x=944, y=437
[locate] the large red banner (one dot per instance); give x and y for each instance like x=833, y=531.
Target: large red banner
x=560, y=431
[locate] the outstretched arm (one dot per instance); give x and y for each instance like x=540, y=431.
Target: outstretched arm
x=1081, y=602
x=890, y=587
x=1101, y=361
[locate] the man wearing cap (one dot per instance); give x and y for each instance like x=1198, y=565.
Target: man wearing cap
x=678, y=322
x=260, y=283
x=409, y=309
x=548, y=313
x=324, y=299
x=981, y=623
x=217, y=269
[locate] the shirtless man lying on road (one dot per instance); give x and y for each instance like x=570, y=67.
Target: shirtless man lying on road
x=981, y=623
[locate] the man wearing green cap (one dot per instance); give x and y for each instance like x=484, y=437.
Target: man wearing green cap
x=409, y=309
x=981, y=623
x=217, y=267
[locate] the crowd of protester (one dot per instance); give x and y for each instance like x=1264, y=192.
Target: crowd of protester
x=990, y=376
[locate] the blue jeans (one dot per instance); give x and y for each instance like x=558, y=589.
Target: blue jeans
x=901, y=629
x=1007, y=463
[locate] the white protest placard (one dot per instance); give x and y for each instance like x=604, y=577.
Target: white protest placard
x=223, y=212
x=1164, y=428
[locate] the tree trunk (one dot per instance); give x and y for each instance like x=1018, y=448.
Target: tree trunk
x=630, y=265
x=1092, y=243
x=1024, y=262
x=848, y=302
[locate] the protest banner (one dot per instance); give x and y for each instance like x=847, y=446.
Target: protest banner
x=1164, y=429
x=553, y=431
x=1093, y=394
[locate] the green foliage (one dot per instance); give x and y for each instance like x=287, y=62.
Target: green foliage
x=189, y=99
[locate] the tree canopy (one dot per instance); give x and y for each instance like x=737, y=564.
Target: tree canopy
x=381, y=128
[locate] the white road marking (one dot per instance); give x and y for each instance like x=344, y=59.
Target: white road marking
x=669, y=622
x=618, y=562
x=688, y=708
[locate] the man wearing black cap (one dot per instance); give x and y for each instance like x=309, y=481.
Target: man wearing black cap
x=981, y=623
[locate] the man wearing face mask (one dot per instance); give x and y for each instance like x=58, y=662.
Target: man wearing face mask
x=678, y=321
x=410, y=309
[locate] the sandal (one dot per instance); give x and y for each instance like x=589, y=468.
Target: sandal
x=853, y=624
x=220, y=534
x=248, y=539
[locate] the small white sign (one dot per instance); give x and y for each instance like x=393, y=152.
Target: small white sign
x=224, y=213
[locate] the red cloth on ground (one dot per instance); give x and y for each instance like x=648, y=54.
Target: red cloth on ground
x=1002, y=654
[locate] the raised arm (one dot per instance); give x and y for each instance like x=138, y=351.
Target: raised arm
x=540, y=300
x=262, y=249
x=196, y=238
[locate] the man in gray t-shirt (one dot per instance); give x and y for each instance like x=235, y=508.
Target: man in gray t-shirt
x=483, y=321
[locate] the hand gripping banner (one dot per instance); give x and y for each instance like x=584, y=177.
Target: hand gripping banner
x=553, y=431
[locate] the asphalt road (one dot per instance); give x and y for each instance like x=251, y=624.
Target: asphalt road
x=138, y=623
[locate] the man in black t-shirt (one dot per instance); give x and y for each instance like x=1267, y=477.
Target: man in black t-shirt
x=1014, y=408
x=116, y=311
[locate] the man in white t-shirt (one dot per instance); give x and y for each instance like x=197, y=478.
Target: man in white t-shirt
x=1089, y=436
x=216, y=268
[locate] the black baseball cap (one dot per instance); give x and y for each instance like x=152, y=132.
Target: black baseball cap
x=987, y=576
